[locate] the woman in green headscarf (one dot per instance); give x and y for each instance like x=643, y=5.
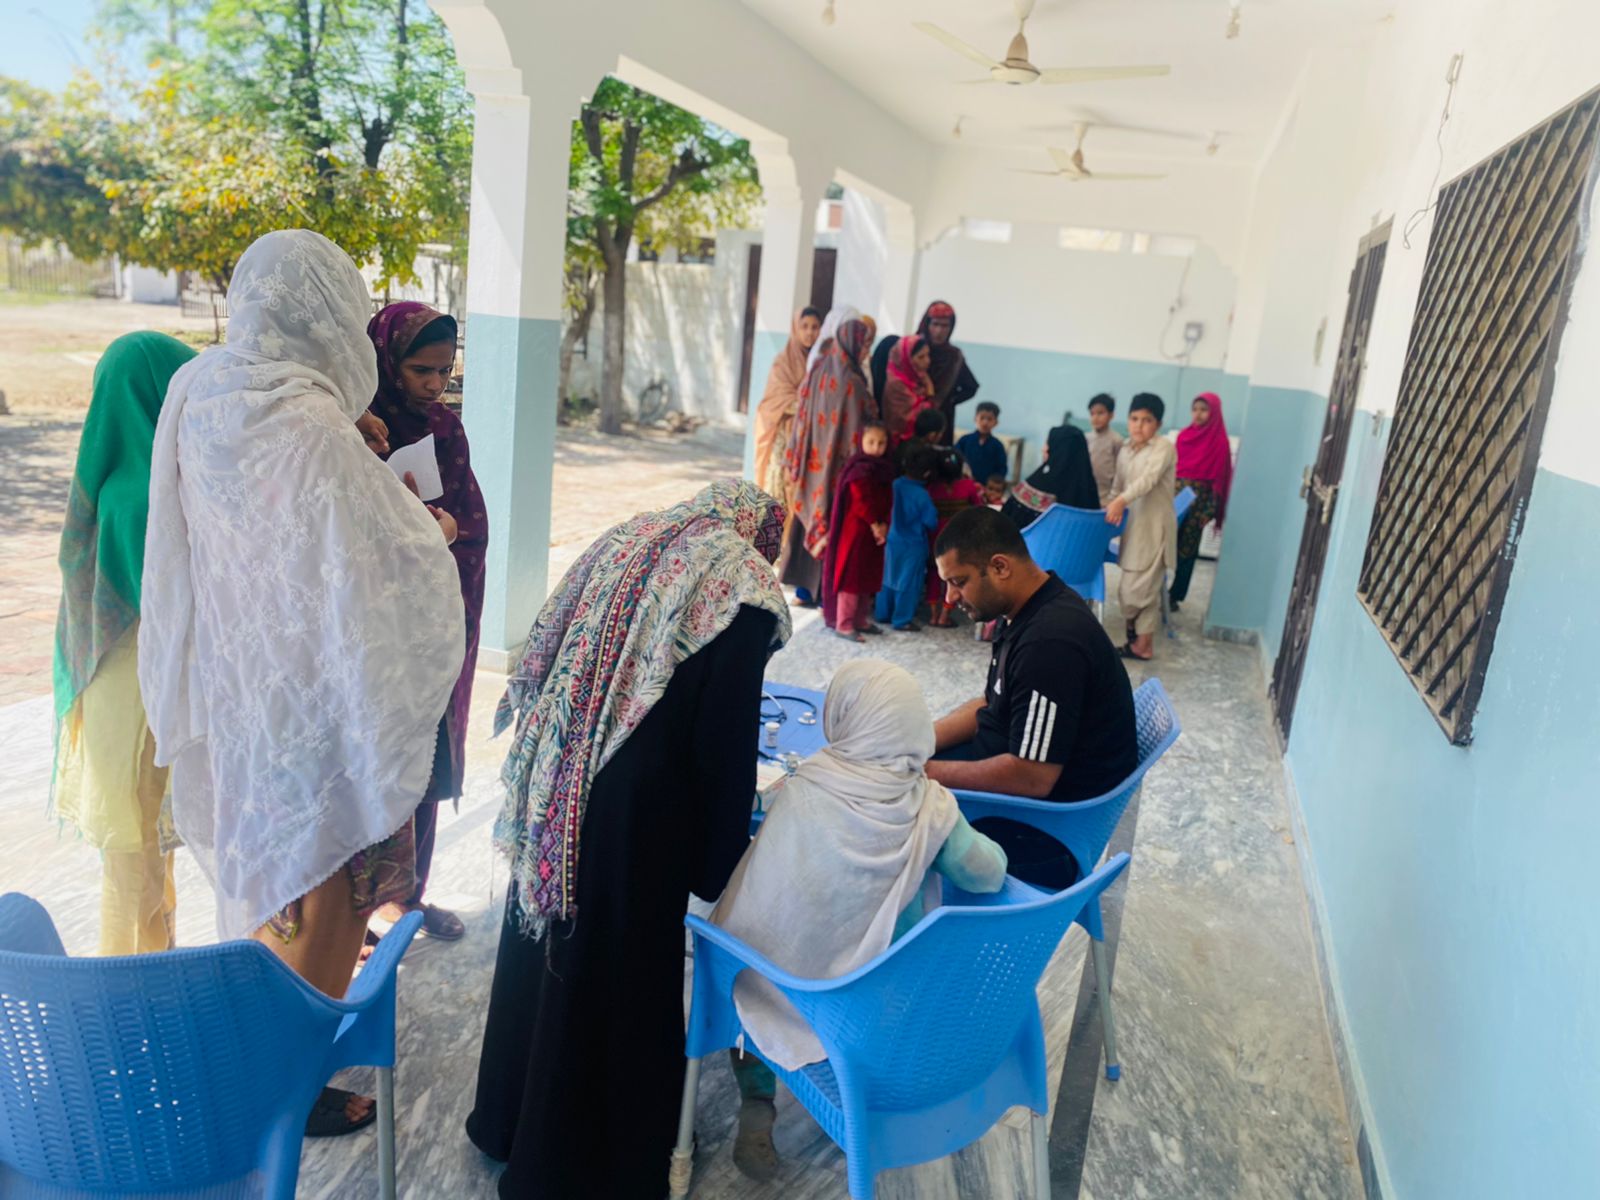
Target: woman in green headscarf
x=106, y=783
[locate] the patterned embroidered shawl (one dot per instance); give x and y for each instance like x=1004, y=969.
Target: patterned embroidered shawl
x=647, y=595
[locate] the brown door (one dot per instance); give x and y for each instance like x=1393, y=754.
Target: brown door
x=752, y=289
x=824, y=261
x=1321, y=485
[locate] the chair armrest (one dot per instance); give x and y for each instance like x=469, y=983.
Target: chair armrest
x=384, y=962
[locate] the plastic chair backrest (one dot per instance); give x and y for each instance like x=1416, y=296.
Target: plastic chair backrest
x=1086, y=826
x=157, y=1073
x=933, y=1015
x=1071, y=542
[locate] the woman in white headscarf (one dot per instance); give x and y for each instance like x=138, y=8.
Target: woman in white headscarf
x=845, y=863
x=302, y=626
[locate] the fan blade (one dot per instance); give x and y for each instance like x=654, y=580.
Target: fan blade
x=1028, y=171
x=1112, y=177
x=1063, y=160
x=956, y=44
x=1097, y=74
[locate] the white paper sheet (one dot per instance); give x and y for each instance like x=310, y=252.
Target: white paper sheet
x=418, y=458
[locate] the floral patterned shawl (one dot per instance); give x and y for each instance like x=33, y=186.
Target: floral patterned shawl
x=648, y=594
x=834, y=403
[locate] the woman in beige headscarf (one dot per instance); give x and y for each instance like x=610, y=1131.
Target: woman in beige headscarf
x=778, y=402
x=843, y=866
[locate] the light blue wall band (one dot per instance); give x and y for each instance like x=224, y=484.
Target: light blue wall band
x=1261, y=532
x=510, y=415
x=1459, y=884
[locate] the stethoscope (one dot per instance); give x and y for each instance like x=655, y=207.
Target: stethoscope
x=807, y=717
x=778, y=715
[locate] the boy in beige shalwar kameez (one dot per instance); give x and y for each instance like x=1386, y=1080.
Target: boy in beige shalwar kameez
x=1145, y=483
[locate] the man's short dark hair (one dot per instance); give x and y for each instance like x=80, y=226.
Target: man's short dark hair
x=929, y=420
x=808, y=311
x=1105, y=401
x=1148, y=402
x=977, y=534
x=988, y=406
x=994, y=479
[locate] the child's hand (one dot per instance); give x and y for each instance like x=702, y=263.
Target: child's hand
x=1114, y=511
x=880, y=532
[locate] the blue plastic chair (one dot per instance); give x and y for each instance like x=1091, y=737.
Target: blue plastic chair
x=1072, y=542
x=188, y=1073
x=929, y=1044
x=1181, y=504
x=1085, y=827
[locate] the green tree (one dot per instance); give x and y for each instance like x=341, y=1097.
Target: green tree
x=642, y=169
x=346, y=116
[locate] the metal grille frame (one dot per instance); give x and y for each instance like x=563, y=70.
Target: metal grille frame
x=1472, y=404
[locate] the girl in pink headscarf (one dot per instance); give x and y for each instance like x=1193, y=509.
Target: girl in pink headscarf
x=1205, y=466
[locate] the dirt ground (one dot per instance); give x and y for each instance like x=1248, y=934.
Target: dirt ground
x=47, y=357
x=48, y=349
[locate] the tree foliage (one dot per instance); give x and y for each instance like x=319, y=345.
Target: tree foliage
x=642, y=169
x=208, y=124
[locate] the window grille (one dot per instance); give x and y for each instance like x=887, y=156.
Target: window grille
x=1471, y=408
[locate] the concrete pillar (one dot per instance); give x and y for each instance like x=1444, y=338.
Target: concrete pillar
x=513, y=332
x=792, y=192
x=877, y=255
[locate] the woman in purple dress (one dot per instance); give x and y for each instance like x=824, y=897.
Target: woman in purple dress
x=416, y=353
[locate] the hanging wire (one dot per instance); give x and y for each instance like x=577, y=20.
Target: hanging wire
x=1416, y=218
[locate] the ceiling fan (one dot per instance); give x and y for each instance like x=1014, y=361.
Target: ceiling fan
x=1015, y=69
x=1071, y=167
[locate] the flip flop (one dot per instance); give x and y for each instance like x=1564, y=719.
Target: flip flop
x=329, y=1119
x=872, y=631
x=1127, y=652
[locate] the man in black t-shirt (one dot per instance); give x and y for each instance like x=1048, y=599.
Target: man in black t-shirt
x=1056, y=718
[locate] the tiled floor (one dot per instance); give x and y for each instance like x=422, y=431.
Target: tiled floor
x=1229, y=1088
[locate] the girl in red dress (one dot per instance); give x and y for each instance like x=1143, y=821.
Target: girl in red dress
x=853, y=564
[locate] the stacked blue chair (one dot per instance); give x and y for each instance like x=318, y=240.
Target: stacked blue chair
x=1073, y=542
x=928, y=1045
x=1086, y=827
x=189, y=1073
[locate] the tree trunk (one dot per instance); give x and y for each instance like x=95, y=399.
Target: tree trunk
x=613, y=356
x=577, y=329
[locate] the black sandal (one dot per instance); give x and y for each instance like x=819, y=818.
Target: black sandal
x=1127, y=652
x=329, y=1118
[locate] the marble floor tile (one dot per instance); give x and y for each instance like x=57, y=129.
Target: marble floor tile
x=1229, y=1087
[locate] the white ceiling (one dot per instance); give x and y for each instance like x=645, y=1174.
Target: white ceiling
x=1235, y=87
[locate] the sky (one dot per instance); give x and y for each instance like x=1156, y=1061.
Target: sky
x=44, y=41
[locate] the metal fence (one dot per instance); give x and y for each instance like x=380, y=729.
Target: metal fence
x=1472, y=405
x=50, y=271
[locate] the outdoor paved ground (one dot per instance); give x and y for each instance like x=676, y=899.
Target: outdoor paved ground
x=47, y=357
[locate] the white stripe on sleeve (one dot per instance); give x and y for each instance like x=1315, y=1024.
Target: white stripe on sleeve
x=1027, y=728
x=1038, y=728
x=1049, y=728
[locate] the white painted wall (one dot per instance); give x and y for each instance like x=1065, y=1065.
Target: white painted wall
x=1361, y=144
x=685, y=321
x=863, y=257
x=144, y=285
x=1202, y=198
x=1032, y=294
